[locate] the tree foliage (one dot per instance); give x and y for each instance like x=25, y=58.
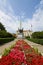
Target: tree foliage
x=38, y=35
x=4, y=34
x=2, y=26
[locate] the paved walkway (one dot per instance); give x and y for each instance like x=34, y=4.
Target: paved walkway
x=7, y=45
x=40, y=47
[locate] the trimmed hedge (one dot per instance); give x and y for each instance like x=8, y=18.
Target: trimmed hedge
x=4, y=34
x=5, y=40
x=39, y=41
x=27, y=37
x=38, y=35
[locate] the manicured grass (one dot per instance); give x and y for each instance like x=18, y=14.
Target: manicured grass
x=39, y=41
x=5, y=40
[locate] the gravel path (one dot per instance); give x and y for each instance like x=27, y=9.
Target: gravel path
x=40, y=47
x=7, y=45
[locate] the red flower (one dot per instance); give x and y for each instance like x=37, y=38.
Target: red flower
x=18, y=57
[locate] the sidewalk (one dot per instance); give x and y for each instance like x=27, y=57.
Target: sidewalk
x=35, y=45
x=7, y=45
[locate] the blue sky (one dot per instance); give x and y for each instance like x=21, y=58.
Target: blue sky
x=30, y=12
x=24, y=6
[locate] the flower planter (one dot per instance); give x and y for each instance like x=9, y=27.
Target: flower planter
x=22, y=54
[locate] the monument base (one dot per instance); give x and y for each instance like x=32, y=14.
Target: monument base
x=20, y=36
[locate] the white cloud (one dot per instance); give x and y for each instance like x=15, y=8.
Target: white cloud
x=11, y=22
x=37, y=19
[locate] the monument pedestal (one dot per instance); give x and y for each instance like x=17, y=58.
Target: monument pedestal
x=20, y=34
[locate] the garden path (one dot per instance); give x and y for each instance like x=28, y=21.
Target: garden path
x=38, y=46
x=7, y=45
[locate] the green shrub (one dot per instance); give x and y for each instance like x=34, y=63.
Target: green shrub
x=6, y=51
x=4, y=34
x=39, y=41
x=38, y=35
x=5, y=40
x=27, y=37
x=2, y=26
x=36, y=50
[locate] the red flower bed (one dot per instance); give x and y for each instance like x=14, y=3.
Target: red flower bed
x=22, y=54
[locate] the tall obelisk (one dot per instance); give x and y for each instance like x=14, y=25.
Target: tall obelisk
x=20, y=25
x=20, y=31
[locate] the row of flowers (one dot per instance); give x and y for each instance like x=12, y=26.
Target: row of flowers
x=22, y=54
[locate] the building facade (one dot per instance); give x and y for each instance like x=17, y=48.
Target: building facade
x=25, y=33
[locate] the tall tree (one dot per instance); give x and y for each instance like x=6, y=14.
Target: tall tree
x=2, y=26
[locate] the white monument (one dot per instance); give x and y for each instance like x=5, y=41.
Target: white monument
x=20, y=32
